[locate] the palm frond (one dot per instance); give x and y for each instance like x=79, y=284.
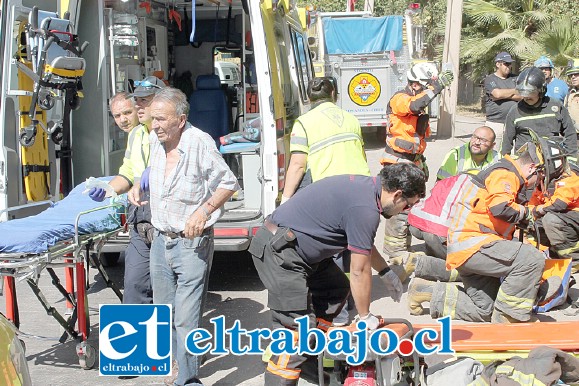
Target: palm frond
x=484, y=13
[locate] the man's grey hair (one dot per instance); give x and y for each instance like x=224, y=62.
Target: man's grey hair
x=120, y=97
x=175, y=97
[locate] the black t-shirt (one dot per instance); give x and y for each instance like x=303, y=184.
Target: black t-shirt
x=497, y=110
x=333, y=214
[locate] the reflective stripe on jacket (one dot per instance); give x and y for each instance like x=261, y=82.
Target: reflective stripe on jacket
x=487, y=210
x=136, y=157
x=404, y=135
x=460, y=159
x=332, y=139
x=432, y=214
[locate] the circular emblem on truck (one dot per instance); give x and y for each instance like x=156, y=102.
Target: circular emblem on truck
x=364, y=89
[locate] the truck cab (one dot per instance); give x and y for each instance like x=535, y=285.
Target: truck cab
x=259, y=52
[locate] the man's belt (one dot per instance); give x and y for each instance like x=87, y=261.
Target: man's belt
x=181, y=235
x=407, y=156
x=273, y=228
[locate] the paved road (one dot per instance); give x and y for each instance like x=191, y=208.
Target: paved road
x=234, y=291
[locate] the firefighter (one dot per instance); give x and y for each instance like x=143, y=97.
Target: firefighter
x=558, y=214
x=293, y=251
x=408, y=127
x=546, y=116
x=482, y=249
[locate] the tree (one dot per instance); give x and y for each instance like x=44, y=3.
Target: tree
x=525, y=28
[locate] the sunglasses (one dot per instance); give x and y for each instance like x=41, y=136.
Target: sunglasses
x=145, y=84
x=506, y=64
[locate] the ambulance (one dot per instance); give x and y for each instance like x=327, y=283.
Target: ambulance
x=129, y=40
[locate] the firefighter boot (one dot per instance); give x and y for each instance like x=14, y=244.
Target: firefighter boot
x=419, y=291
x=501, y=317
x=410, y=265
x=548, y=288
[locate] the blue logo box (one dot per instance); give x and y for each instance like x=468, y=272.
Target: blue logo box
x=135, y=339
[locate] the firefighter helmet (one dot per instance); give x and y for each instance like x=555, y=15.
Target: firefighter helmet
x=548, y=155
x=422, y=73
x=531, y=80
x=544, y=62
x=573, y=67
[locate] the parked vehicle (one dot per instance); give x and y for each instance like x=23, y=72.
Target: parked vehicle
x=129, y=41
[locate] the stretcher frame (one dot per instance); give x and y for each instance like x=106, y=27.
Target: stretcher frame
x=487, y=342
x=76, y=253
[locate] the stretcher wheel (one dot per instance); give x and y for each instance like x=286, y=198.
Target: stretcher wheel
x=86, y=355
x=46, y=103
x=25, y=141
x=57, y=136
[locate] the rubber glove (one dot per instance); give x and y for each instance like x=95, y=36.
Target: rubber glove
x=372, y=322
x=393, y=285
x=145, y=179
x=97, y=194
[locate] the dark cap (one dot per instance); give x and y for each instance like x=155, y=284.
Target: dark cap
x=504, y=57
x=148, y=86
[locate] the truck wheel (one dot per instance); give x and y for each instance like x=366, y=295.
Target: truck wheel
x=381, y=134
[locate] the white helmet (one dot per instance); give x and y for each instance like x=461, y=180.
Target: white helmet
x=422, y=73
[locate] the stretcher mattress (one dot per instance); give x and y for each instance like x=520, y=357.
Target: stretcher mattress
x=36, y=234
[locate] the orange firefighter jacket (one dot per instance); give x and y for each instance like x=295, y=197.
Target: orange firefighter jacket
x=487, y=211
x=408, y=123
x=565, y=197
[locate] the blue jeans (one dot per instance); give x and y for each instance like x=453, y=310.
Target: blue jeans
x=180, y=276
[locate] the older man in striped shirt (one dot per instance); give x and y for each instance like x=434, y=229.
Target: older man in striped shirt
x=189, y=183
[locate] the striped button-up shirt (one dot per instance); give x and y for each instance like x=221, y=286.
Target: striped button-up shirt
x=200, y=171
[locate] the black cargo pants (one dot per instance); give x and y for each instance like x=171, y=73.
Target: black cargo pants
x=295, y=288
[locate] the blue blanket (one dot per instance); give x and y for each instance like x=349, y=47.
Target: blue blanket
x=35, y=234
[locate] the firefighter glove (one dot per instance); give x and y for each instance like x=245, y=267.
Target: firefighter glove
x=97, y=194
x=393, y=285
x=372, y=322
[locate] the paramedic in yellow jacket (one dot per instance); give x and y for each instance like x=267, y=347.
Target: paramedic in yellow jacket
x=326, y=141
x=408, y=127
x=482, y=249
x=137, y=282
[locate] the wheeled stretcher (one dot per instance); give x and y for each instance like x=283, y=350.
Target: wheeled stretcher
x=69, y=234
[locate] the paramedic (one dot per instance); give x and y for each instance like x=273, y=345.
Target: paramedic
x=482, y=249
x=559, y=218
x=546, y=116
x=293, y=251
x=475, y=155
x=137, y=281
x=500, y=93
x=124, y=111
x=189, y=182
x=408, y=127
x=325, y=141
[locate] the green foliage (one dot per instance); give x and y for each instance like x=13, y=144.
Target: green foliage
x=525, y=28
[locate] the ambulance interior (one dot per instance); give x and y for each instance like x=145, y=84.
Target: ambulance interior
x=157, y=42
